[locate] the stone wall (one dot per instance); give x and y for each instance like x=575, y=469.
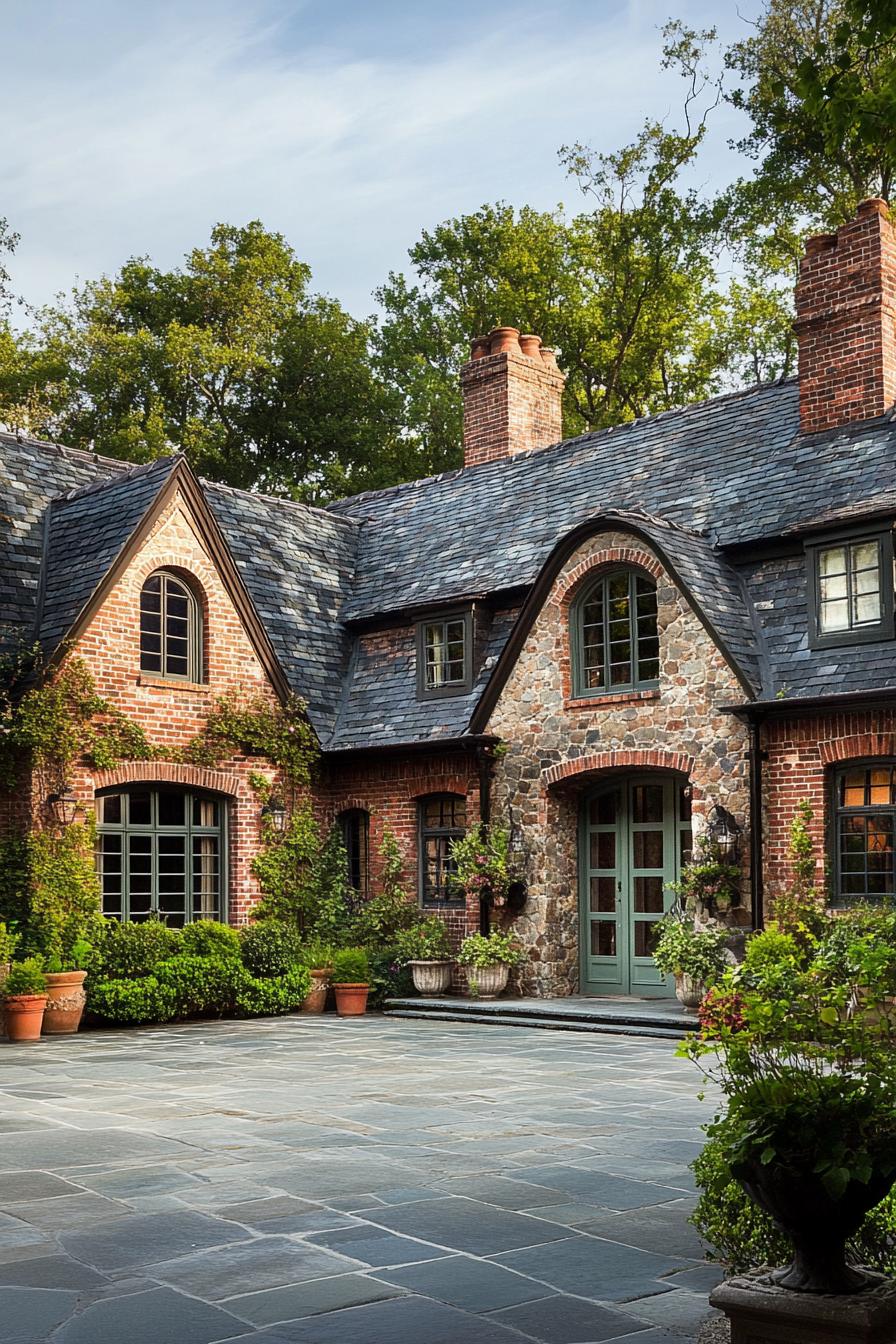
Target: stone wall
x=557, y=745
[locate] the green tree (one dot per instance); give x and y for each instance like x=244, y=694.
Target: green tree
x=229, y=357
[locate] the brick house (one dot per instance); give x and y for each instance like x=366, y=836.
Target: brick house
x=594, y=642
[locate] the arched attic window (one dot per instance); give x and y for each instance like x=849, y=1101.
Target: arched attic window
x=613, y=634
x=170, y=628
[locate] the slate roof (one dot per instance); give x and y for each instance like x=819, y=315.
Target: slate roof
x=708, y=487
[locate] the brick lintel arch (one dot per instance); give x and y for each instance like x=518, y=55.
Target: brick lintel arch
x=168, y=772
x=856, y=747
x=629, y=556
x=643, y=758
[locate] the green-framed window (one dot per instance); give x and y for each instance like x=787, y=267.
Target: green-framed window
x=445, y=654
x=162, y=853
x=170, y=628
x=354, y=825
x=614, y=634
x=442, y=818
x=864, y=832
x=852, y=590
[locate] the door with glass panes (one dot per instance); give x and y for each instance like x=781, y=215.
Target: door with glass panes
x=635, y=835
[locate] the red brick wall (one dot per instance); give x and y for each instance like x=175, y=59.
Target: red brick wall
x=512, y=401
x=846, y=321
x=802, y=752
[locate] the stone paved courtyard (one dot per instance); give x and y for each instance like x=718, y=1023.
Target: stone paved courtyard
x=348, y=1182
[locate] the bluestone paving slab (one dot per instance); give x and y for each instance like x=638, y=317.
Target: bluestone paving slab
x=411, y=1319
x=567, y=1320
x=254, y=1211
x=664, y=1229
x=473, y=1285
x=599, y=1187
x=675, y=1310
x=311, y=1298
x=144, y=1239
x=69, y=1211
x=373, y=1246
x=467, y=1225
x=19, y=1186
x=51, y=1271
x=150, y=1318
x=503, y=1192
x=266, y=1262
x=67, y=1148
x=603, y=1270
x=27, y=1315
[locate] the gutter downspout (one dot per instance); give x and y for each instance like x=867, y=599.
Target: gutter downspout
x=484, y=761
x=757, y=756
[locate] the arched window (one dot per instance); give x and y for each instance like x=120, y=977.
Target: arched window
x=614, y=636
x=170, y=628
x=442, y=818
x=864, y=832
x=161, y=854
x=354, y=825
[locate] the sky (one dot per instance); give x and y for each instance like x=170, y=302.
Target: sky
x=130, y=127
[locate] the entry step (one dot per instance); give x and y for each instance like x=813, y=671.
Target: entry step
x=661, y=1018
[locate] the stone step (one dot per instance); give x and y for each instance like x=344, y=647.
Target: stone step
x=608, y=1027
x=664, y=1016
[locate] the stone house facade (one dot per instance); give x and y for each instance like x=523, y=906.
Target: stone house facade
x=600, y=644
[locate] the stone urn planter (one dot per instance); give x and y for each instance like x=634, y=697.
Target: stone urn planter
x=351, y=1000
x=431, y=977
x=818, y=1223
x=24, y=1015
x=65, y=1002
x=689, y=991
x=487, y=982
x=316, y=998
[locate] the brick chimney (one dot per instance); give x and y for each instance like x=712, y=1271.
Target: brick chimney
x=512, y=390
x=846, y=321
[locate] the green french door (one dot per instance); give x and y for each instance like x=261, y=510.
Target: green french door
x=635, y=834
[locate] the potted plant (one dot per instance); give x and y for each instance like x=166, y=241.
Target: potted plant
x=24, y=999
x=318, y=957
x=488, y=959
x=65, y=976
x=483, y=866
x=351, y=981
x=695, y=957
x=709, y=886
x=426, y=950
x=810, y=1127
x=8, y=941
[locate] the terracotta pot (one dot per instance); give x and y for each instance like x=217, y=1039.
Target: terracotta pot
x=316, y=998
x=487, y=982
x=819, y=1224
x=431, y=977
x=689, y=992
x=24, y=1014
x=65, y=1002
x=531, y=346
x=351, y=1000
x=504, y=338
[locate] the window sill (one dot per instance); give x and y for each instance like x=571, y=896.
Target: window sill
x=612, y=698
x=172, y=684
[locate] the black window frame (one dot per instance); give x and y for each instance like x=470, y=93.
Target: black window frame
x=875, y=633
x=602, y=580
x=837, y=899
x=358, y=865
x=195, y=669
x=155, y=829
x=465, y=684
x=441, y=833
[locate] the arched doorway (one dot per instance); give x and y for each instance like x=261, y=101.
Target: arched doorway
x=634, y=834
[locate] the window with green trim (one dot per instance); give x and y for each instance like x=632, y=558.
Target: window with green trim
x=445, y=654
x=853, y=590
x=442, y=818
x=161, y=854
x=170, y=628
x=864, y=832
x=614, y=634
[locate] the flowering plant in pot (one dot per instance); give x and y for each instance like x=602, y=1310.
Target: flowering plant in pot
x=24, y=999
x=488, y=959
x=695, y=957
x=426, y=950
x=708, y=884
x=351, y=981
x=483, y=865
x=810, y=1126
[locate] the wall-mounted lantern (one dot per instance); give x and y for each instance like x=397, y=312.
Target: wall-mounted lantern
x=724, y=832
x=63, y=806
x=273, y=814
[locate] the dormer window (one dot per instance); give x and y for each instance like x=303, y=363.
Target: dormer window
x=853, y=590
x=614, y=634
x=170, y=628
x=445, y=655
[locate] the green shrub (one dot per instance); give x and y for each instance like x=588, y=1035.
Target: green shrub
x=317, y=954
x=351, y=966
x=482, y=951
x=8, y=941
x=427, y=941
x=270, y=947
x=201, y=986
x=210, y=938
x=130, y=951
x=683, y=950
x=133, y=1002
x=390, y=978
x=26, y=977
x=379, y=920
x=259, y=997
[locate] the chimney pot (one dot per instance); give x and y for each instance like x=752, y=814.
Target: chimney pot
x=511, y=404
x=549, y=357
x=504, y=338
x=531, y=345
x=480, y=348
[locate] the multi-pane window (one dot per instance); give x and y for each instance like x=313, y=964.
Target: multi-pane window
x=355, y=827
x=849, y=587
x=170, y=629
x=443, y=818
x=161, y=855
x=615, y=635
x=864, y=833
x=444, y=654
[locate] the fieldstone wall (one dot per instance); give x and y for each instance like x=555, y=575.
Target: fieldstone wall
x=557, y=746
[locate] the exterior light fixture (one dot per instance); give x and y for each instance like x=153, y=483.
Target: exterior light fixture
x=273, y=814
x=64, y=807
x=724, y=832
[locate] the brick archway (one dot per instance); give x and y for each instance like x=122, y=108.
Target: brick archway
x=857, y=747
x=646, y=758
x=168, y=772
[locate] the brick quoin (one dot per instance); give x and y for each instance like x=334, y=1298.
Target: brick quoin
x=512, y=395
